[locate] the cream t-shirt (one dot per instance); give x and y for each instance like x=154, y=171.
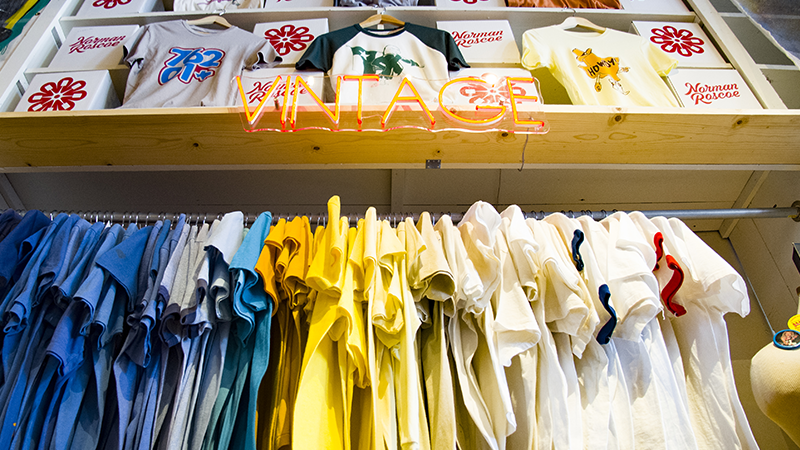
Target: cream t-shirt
x=609, y=68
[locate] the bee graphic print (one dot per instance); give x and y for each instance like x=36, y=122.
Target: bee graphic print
x=597, y=68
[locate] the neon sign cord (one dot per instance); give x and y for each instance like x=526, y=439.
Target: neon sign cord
x=524, y=146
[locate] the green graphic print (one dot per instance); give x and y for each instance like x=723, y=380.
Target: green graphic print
x=385, y=64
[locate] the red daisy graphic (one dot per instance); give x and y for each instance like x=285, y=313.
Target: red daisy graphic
x=289, y=38
x=108, y=4
x=488, y=94
x=674, y=40
x=59, y=96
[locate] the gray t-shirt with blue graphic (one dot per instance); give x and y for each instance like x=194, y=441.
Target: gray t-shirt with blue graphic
x=175, y=64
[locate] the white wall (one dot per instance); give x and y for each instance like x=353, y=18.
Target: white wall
x=765, y=249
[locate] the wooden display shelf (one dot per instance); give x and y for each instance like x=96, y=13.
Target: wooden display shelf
x=578, y=135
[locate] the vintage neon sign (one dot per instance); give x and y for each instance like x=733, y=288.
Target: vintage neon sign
x=487, y=103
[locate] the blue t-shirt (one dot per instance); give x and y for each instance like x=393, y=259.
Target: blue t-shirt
x=249, y=305
x=10, y=246
x=8, y=221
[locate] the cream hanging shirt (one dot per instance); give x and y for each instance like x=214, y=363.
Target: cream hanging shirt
x=592, y=368
x=479, y=228
x=474, y=423
x=609, y=68
x=518, y=333
x=437, y=286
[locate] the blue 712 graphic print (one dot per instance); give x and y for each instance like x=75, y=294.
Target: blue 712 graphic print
x=191, y=63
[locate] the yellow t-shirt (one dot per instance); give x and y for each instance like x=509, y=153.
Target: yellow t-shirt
x=335, y=359
x=298, y=241
x=609, y=68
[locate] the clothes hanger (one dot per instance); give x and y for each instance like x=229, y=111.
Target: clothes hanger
x=215, y=19
x=574, y=21
x=381, y=18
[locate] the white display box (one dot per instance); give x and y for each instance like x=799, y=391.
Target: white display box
x=69, y=91
x=654, y=6
x=256, y=83
x=685, y=42
x=92, y=48
x=291, y=38
x=105, y=8
x=470, y=4
x=494, y=89
x=712, y=88
x=483, y=41
x=292, y=4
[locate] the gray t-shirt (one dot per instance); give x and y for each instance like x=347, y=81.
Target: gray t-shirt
x=174, y=64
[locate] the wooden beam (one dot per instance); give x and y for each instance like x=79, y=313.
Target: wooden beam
x=578, y=135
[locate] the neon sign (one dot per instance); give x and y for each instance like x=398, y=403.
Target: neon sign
x=290, y=103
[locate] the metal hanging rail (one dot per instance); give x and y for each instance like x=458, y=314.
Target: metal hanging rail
x=792, y=212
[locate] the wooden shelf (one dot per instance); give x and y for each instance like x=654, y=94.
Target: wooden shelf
x=215, y=137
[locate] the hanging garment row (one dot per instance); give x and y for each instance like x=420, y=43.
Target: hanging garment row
x=498, y=332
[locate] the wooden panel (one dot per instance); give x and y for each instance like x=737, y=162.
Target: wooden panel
x=214, y=136
x=203, y=191
x=582, y=186
x=785, y=80
x=453, y=190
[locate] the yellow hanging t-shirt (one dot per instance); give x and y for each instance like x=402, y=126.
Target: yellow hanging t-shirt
x=334, y=363
x=609, y=68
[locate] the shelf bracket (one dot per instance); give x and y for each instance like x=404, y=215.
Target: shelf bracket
x=757, y=178
x=9, y=194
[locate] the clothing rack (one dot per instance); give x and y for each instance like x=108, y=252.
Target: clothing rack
x=792, y=212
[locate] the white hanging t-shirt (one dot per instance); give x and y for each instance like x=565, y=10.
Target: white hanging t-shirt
x=626, y=271
x=592, y=368
x=670, y=277
x=479, y=230
x=517, y=335
x=566, y=299
x=711, y=289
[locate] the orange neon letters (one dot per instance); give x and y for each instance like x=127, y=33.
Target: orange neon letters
x=332, y=116
x=514, y=98
x=253, y=118
x=360, y=79
x=398, y=98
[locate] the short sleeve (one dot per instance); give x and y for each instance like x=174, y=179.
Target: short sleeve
x=318, y=55
x=455, y=60
x=135, y=47
x=534, y=53
x=661, y=62
x=719, y=285
x=265, y=57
